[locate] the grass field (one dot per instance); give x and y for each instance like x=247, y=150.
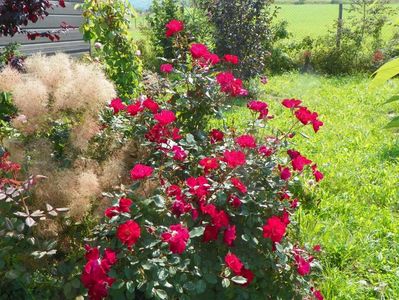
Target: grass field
x=303, y=20
x=355, y=210
x=316, y=19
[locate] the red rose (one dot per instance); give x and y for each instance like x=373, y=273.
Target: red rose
x=210, y=233
x=128, y=233
x=291, y=103
x=140, y=171
x=234, y=201
x=259, y=106
x=173, y=190
x=216, y=136
x=166, y=68
x=198, y=50
x=265, y=151
x=317, y=124
x=234, y=158
x=230, y=85
x=285, y=173
x=233, y=59
x=248, y=275
x=305, y=116
x=317, y=248
x=220, y=219
x=94, y=276
x=303, y=266
x=96, y=280
x=177, y=238
x=117, y=105
x=151, y=105
x=92, y=253
x=134, y=108
x=124, y=204
x=317, y=174
x=165, y=117
x=209, y=163
x=317, y=294
x=209, y=59
x=294, y=203
x=229, y=235
x=298, y=161
x=239, y=185
x=274, y=229
x=198, y=186
x=179, y=153
x=234, y=263
x=246, y=141
x=174, y=27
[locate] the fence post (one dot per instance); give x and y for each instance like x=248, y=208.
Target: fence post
x=339, y=25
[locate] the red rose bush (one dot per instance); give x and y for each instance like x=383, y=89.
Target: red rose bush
x=211, y=212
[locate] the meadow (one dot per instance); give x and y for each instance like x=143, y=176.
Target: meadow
x=354, y=212
x=317, y=19
x=303, y=20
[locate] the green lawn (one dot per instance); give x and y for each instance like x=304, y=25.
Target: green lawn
x=303, y=20
x=316, y=19
x=354, y=212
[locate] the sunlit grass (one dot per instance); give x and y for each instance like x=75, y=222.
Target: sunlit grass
x=354, y=211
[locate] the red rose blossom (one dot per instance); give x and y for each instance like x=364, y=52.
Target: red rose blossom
x=246, y=141
x=265, y=151
x=259, y=106
x=134, y=108
x=122, y=207
x=303, y=266
x=151, y=105
x=230, y=85
x=234, y=263
x=166, y=68
x=285, y=173
x=317, y=294
x=239, y=185
x=248, y=275
x=274, y=229
x=291, y=103
x=165, y=117
x=173, y=27
x=209, y=163
x=317, y=174
x=234, y=158
x=233, y=59
x=140, y=171
x=198, y=50
x=216, y=136
x=210, y=233
x=198, y=186
x=234, y=201
x=229, y=235
x=117, y=105
x=177, y=238
x=179, y=153
x=298, y=161
x=128, y=233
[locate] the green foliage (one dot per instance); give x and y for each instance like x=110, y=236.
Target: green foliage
x=162, y=11
x=243, y=28
x=107, y=24
x=386, y=72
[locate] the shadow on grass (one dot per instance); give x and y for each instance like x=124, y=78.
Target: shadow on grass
x=390, y=153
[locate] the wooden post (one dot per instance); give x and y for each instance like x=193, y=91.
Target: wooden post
x=339, y=25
